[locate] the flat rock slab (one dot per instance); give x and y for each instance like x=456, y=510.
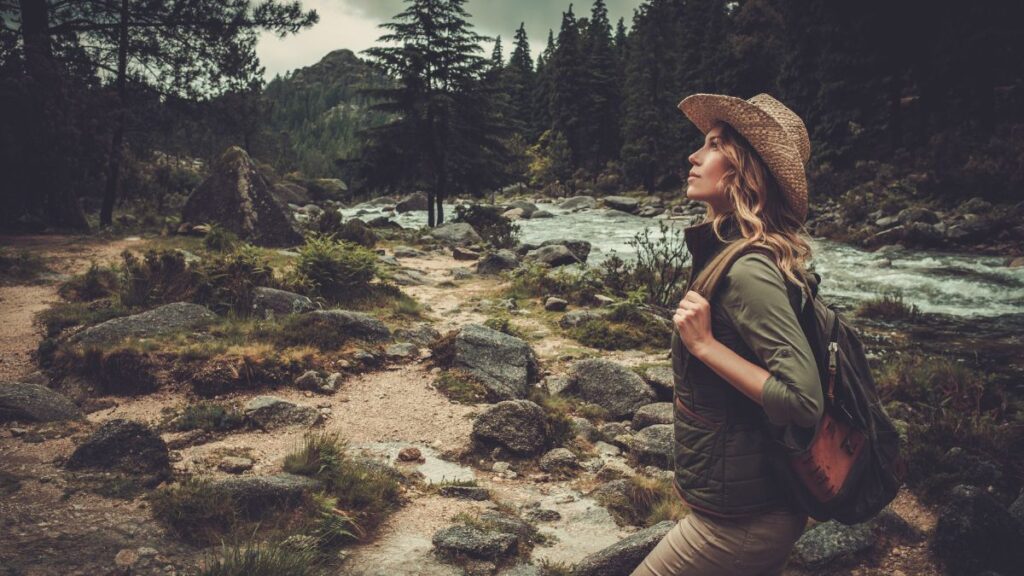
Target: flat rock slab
x=256, y=494
x=473, y=542
x=269, y=412
x=353, y=324
x=657, y=413
x=165, y=319
x=25, y=402
x=623, y=556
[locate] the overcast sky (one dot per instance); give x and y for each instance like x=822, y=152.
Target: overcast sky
x=353, y=24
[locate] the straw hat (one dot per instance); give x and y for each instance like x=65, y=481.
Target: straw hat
x=776, y=132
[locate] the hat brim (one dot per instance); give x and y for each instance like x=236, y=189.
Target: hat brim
x=764, y=133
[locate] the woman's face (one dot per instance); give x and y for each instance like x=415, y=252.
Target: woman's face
x=708, y=166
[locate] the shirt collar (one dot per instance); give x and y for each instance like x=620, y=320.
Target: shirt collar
x=702, y=242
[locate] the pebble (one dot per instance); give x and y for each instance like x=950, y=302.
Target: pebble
x=126, y=558
x=410, y=454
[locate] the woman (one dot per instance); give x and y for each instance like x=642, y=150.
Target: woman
x=742, y=363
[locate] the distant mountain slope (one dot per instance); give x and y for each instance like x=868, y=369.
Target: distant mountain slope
x=320, y=109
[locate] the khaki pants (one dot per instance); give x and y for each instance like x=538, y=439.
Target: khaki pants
x=700, y=545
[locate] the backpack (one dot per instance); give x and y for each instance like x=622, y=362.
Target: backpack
x=848, y=467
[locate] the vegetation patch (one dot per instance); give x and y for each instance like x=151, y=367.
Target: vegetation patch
x=504, y=324
x=460, y=386
x=336, y=270
x=197, y=510
x=256, y=558
x=888, y=305
x=626, y=327
x=64, y=315
x=119, y=371
x=644, y=502
x=577, y=285
x=365, y=493
x=20, y=267
x=95, y=283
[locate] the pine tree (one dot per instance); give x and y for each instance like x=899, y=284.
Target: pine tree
x=602, y=99
x=447, y=135
x=566, y=70
x=542, y=92
x=521, y=81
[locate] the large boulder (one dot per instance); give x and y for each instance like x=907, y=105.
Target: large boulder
x=518, y=425
x=661, y=380
x=124, y=445
x=553, y=255
x=657, y=413
x=352, y=324
x=579, y=248
x=34, y=403
x=165, y=319
x=414, y=201
x=288, y=192
x=831, y=541
x=654, y=445
x=578, y=203
x=460, y=233
x=611, y=386
x=239, y=198
x=622, y=203
x=504, y=364
x=975, y=533
x=270, y=302
x=495, y=262
x=623, y=556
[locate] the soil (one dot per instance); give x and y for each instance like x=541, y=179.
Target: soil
x=52, y=525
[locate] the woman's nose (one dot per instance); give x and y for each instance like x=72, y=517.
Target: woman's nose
x=693, y=158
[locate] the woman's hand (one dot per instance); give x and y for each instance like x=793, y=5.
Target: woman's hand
x=693, y=320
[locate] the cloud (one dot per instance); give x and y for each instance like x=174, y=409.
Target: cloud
x=353, y=24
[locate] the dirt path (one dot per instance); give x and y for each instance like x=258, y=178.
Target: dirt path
x=65, y=255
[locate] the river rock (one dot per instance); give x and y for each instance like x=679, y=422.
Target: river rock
x=24, y=402
x=518, y=425
x=288, y=192
x=514, y=214
x=654, y=445
x=830, y=541
x=557, y=460
x=916, y=214
x=623, y=556
x=165, y=319
x=657, y=413
x=504, y=364
x=270, y=302
x=353, y=324
x=421, y=334
x=622, y=203
x=890, y=236
x=528, y=208
x=414, y=201
x=578, y=203
x=460, y=253
x=555, y=304
x=126, y=445
x=553, y=255
x=460, y=233
x=541, y=214
x=495, y=262
x=269, y=412
x=611, y=386
x=975, y=533
x=473, y=542
x=238, y=197
x=579, y=248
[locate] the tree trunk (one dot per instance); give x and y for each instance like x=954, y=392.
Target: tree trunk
x=49, y=186
x=113, y=185
x=430, y=208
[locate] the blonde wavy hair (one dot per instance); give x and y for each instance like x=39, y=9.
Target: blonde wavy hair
x=761, y=212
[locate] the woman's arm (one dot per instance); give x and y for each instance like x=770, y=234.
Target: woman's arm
x=754, y=298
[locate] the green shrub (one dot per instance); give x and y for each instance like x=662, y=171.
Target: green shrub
x=495, y=229
x=365, y=492
x=338, y=271
x=94, y=284
x=197, y=510
x=225, y=282
x=307, y=331
x=659, y=268
x=220, y=239
x=626, y=327
x=159, y=277
x=273, y=558
x=209, y=416
x=888, y=305
x=504, y=324
x=577, y=285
